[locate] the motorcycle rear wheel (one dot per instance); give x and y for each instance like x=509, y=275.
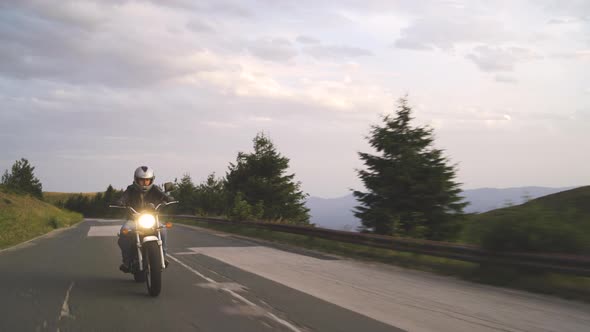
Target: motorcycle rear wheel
x=153, y=270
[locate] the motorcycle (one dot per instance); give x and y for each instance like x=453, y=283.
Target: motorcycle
x=148, y=261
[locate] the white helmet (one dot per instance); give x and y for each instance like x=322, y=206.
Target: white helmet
x=141, y=173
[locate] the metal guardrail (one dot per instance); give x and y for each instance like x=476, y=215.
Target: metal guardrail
x=570, y=264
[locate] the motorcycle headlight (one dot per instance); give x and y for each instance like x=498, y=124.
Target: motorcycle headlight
x=147, y=221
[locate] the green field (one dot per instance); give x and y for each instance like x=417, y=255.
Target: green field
x=557, y=223
x=23, y=217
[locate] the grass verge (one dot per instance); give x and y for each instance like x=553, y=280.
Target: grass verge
x=24, y=217
x=566, y=286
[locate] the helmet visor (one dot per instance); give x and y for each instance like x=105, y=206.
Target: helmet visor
x=144, y=182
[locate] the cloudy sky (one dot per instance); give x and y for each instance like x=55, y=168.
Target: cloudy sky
x=89, y=90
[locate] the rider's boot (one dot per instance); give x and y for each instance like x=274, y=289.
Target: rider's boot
x=125, y=268
x=126, y=253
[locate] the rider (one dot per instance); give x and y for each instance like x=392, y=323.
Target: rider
x=138, y=195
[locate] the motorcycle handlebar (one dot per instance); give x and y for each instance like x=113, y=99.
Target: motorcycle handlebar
x=133, y=210
x=124, y=207
x=165, y=204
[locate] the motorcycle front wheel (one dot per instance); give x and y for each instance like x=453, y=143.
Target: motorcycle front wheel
x=153, y=270
x=139, y=276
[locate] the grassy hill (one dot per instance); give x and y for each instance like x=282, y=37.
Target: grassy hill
x=23, y=217
x=558, y=222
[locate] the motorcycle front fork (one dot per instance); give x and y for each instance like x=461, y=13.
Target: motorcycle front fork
x=140, y=256
x=161, y=246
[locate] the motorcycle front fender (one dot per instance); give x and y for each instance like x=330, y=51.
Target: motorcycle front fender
x=150, y=238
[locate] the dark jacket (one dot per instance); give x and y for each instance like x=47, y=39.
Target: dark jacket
x=136, y=199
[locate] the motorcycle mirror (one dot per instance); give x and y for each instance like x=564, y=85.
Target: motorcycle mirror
x=168, y=186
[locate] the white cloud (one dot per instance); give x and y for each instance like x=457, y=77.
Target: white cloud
x=261, y=119
x=86, y=15
x=563, y=20
x=505, y=79
x=410, y=44
x=44, y=48
x=199, y=26
x=307, y=40
x=243, y=76
x=74, y=73
x=260, y=85
x=220, y=125
x=336, y=52
x=273, y=49
x=573, y=55
x=446, y=32
x=570, y=9
x=492, y=59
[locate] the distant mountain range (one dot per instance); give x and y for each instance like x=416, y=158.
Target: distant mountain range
x=336, y=213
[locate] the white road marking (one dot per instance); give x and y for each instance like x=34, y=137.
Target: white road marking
x=206, y=230
x=65, y=307
x=222, y=234
x=223, y=285
x=243, y=309
x=104, y=230
x=237, y=296
x=181, y=253
x=410, y=300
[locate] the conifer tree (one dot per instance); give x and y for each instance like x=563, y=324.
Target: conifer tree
x=211, y=196
x=21, y=179
x=184, y=193
x=410, y=185
x=261, y=179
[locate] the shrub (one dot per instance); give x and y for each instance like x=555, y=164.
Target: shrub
x=54, y=223
x=530, y=228
x=240, y=210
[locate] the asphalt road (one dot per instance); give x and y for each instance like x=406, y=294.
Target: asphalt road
x=69, y=281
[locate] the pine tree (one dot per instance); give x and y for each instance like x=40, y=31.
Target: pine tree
x=21, y=179
x=260, y=177
x=79, y=203
x=410, y=186
x=185, y=195
x=110, y=196
x=211, y=196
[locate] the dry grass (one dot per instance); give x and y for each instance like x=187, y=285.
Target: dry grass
x=23, y=217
